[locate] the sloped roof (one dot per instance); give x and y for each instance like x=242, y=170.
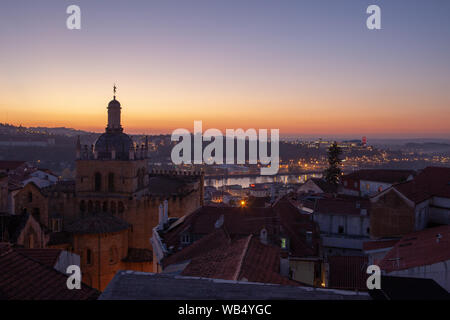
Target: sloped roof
x=47, y=257
x=25, y=278
x=431, y=181
x=381, y=175
x=130, y=285
x=419, y=248
x=219, y=256
x=282, y=217
x=324, y=185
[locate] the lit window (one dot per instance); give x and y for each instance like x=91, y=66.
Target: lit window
x=283, y=243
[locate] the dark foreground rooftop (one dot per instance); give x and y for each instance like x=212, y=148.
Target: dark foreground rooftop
x=131, y=285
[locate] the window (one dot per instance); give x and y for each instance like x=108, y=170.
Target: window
x=368, y=230
x=111, y=182
x=90, y=206
x=113, y=207
x=340, y=229
x=88, y=256
x=105, y=206
x=98, y=181
x=380, y=188
x=185, y=239
x=30, y=197
x=283, y=243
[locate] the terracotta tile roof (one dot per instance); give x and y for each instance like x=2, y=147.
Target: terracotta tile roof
x=348, y=272
x=380, y=175
x=237, y=221
x=379, y=244
x=282, y=217
x=419, y=248
x=47, y=257
x=431, y=181
x=24, y=278
x=139, y=255
x=97, y=223
x=244, y=258
x=216, y=239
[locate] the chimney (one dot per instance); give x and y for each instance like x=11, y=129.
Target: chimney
x=161, y=216
x=166, y=212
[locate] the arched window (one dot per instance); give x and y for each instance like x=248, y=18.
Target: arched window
x=98, y=181
x=90, y=206
x=30, y=196
x=111, y=182
x=105, y=206
x=121, y=207
x=113, y=207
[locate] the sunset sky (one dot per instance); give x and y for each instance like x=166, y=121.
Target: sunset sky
x=305, y=67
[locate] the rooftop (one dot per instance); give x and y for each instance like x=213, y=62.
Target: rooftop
x=431, y=181
x=381, y=175
x=26, y=278
x=130, y=285
x=419, y=248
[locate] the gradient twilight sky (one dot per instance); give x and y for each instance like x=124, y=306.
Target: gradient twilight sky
x=305, y=67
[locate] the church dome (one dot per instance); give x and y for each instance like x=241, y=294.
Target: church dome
x=109, y=141
x=114, y=104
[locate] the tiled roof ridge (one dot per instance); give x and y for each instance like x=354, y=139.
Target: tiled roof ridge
x=241, y=260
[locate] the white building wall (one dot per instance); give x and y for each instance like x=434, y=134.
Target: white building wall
x=439, y=272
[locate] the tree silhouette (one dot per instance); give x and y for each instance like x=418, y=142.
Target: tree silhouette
x=333, y=173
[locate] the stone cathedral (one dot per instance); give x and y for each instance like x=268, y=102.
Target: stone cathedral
x=107, y=214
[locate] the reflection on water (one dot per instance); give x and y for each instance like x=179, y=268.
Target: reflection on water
x=246, y=181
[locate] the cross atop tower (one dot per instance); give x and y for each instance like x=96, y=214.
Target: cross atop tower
x=114, y=90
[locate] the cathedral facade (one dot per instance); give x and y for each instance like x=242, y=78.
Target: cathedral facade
x=107, y=214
